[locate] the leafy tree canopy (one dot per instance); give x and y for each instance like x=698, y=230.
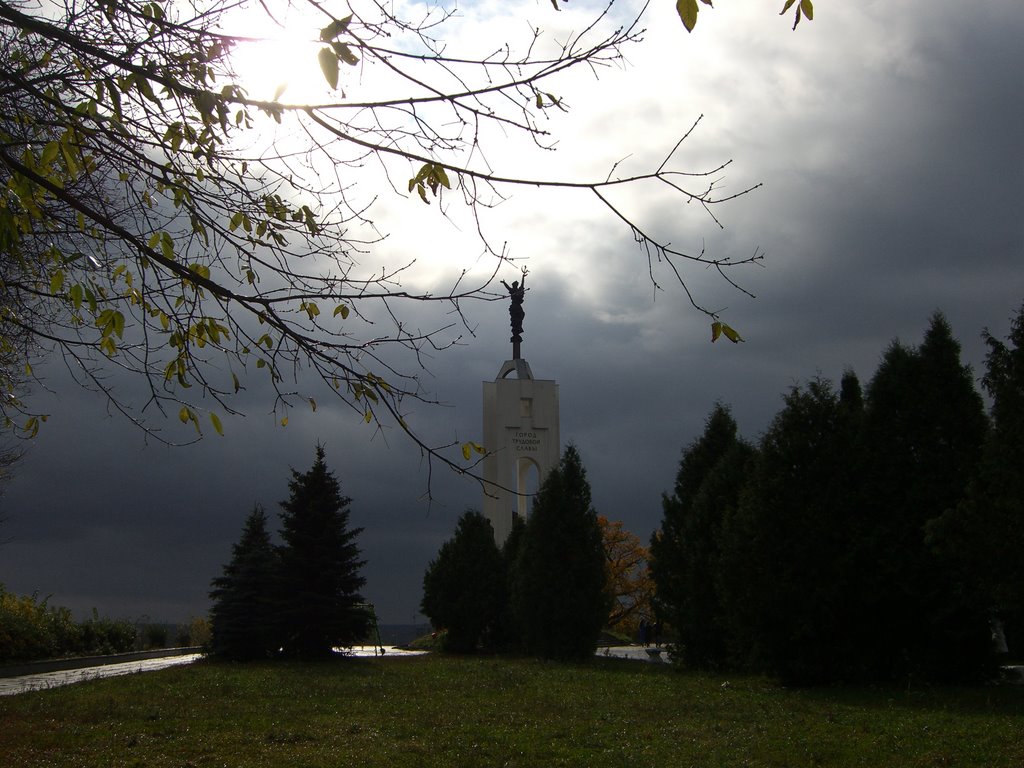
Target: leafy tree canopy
x=157, y=220
x=629, y=586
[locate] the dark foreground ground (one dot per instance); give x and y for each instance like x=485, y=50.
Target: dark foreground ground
x=441, y=711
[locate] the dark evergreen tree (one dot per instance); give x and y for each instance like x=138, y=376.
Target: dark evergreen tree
x=924, y=428
x=684, y=556
x=984, y=534
x=320, y=605
x=789, y=575
x=464, y=587
x=559, y=601
x=506, y=636
x=243, y=620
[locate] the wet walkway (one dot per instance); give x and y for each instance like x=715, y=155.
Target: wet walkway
x=41, y=681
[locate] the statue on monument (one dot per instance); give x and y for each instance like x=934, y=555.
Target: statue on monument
x=517, y=292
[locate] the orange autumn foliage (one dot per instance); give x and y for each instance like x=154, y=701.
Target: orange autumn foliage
x=629, y=583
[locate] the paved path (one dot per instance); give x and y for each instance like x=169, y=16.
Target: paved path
x=43, y=680
x=10, y=686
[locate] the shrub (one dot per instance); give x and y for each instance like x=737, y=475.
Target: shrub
x=102, y=636
x=154, y=636
x=25, y=630
x=199, y=633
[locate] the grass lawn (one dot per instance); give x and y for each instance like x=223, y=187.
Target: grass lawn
x=442, y=711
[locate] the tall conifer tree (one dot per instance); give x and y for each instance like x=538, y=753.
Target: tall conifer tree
x=320, y=604
x=464, y=586
x=243, y=614
x=984, y=535
x=685, y=549
x=789, y=575
x=559, y=600
x=924, y=428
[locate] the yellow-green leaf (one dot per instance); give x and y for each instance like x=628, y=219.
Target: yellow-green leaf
x=167, y=246
x=334, y=29
x=345, y=54
x=215, y=420
x=687, y=10
x=50, y=152
x=329, y=66
x=342, y=310
x=716, y=331
x=731, y=334
x=183, y=415
x=469, y=447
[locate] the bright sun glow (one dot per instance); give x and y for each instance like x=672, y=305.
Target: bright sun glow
x=279, y=64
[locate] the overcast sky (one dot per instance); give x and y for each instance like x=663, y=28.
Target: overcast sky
x=888, y=141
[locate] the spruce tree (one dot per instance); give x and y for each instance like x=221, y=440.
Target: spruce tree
x=684, y=557
x=559, y=601
x=464, y=586
x=243, y=614
x=320, y=607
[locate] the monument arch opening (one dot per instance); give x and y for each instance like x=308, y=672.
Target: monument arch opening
x=527, y=485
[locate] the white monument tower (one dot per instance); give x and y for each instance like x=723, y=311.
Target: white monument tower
x=520, y=430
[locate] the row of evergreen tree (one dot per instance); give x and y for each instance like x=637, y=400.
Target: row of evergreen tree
x=870, y=535
x=300, y=599
x=543, y=593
